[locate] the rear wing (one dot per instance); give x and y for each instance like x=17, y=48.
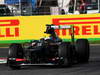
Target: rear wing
x=51, y=29
x=60, y=26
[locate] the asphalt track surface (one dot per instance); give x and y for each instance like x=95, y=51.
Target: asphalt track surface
x=91, y=68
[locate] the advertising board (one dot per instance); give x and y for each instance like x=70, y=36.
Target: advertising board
x=26, y=28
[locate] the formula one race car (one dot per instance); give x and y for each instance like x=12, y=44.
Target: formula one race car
x=49, y=51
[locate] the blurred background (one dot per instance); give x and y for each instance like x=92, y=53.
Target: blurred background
x=48, y=7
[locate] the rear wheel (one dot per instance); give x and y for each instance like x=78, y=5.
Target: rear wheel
x=65, y=54
x=82, y=50
x=15, y=51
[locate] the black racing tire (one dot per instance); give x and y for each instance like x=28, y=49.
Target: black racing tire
x=65, y=52
x=15, y=51
x=82, y=50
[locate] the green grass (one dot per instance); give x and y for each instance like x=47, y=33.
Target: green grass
x=8, y=44
x=95, y=42
x=4, y=45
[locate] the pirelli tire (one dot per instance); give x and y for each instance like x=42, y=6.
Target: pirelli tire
x=15, y=51
x=82, y=50
x=65, y=54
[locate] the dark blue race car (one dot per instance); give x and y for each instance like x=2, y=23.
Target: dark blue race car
x=49, y=51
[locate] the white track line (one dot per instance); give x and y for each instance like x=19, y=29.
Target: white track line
x=3, y=60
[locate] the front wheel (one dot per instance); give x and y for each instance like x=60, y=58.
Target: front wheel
x=15, y=51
